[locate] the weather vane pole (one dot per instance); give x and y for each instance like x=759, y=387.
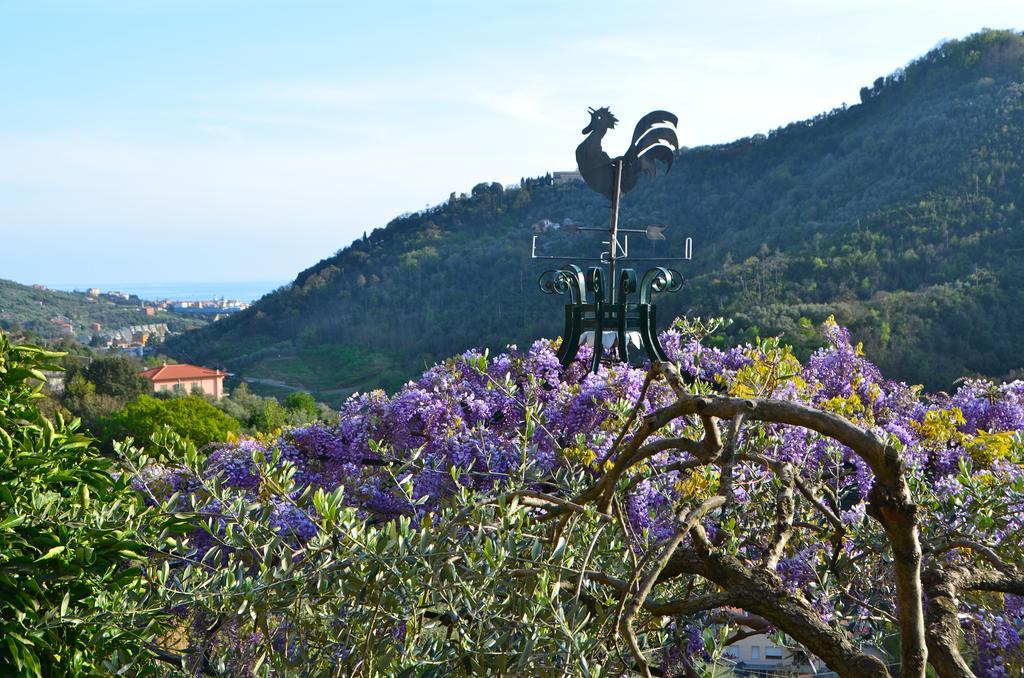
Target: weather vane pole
x=613, y=230
x=611, y=315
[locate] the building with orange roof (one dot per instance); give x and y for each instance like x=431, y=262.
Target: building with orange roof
x=186, y=379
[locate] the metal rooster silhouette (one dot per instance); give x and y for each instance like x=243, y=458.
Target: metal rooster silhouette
x=654, y=139
x=600, y=305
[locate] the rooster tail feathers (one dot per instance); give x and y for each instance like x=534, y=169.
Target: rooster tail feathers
x=657, y=135
x=655, y=140
x=650, y=120
x=660, y=152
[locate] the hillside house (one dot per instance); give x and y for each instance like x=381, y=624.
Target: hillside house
x=566, y=177
x=131, y=348
x=63, y=324
x=759, y=655
x=186, y=379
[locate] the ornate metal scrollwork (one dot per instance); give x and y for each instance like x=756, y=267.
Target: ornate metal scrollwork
x=596, y=282
x=627, y=283
x=553, y=282
x=568, y=279
x=592, y=315
x=659, y=279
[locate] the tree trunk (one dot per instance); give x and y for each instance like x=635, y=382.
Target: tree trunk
x=763, y=594
x=890, y=504
x=942, y=626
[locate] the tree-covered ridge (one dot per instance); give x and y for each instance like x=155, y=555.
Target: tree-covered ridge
x=30, y=309
x=898, y=214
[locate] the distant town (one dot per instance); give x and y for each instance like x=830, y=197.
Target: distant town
x=136, y=338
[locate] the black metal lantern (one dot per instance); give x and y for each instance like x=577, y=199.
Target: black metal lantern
x=600, y=298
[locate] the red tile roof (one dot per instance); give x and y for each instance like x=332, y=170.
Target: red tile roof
x=183, y=371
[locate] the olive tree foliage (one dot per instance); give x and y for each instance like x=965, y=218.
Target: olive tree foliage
x=500, y=515
x=70, y=555
x=309, y=586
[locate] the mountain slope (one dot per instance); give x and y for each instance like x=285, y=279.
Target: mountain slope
x=34, y=309
x=899, y=215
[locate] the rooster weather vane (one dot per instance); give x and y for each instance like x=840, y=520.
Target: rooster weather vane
x=599, y=307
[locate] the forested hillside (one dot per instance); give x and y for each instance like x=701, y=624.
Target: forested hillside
x=898, y=214
x=33, y=309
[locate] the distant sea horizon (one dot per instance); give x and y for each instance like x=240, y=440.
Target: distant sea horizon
x=247, y=291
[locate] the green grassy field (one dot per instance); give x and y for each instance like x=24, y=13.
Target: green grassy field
x=333, y=372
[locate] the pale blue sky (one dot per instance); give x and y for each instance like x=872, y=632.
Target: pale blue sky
x=247, y=140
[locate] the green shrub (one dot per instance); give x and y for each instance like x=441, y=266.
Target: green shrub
x=192, y=417
x=118, y=377
x=68, y=529
x=303, y=404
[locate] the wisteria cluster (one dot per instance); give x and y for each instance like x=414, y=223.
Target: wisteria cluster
x=483, y=422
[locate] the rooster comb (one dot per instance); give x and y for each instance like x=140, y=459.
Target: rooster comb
x=603, y=111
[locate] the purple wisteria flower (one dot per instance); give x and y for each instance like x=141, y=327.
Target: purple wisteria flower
x=462, y=426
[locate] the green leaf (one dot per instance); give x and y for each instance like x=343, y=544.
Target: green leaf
x=13, y=521
x=52, y=553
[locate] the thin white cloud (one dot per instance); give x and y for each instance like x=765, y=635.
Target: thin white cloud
x=327, y=94
x=314, y=151
x=642, y=48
